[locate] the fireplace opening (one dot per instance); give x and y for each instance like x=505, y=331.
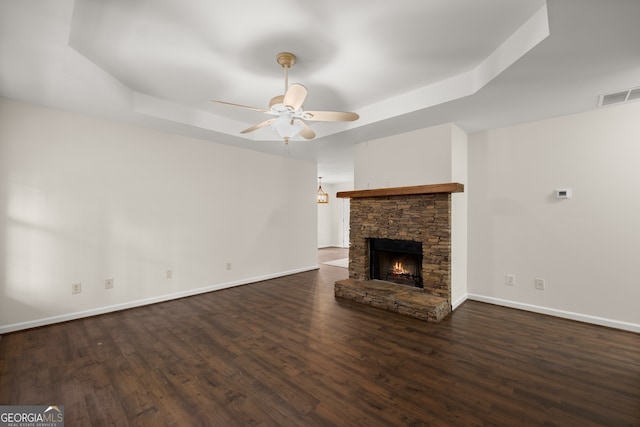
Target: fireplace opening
x=397, y=261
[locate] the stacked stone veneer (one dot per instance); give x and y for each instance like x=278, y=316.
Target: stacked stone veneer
x=402, y=299
x=423, y=218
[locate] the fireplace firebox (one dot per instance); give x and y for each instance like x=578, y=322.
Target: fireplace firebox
x=397, y=261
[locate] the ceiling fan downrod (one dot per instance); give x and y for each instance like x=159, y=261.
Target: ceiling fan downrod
x=286, y=61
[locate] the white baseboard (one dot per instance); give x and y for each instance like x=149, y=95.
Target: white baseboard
x=553, y=312
x=147, y=301
x=455, y=304
x=632, y=327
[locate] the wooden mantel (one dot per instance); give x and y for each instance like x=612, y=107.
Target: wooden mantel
x=449, y=187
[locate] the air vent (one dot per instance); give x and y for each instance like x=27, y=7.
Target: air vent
x=619, y=97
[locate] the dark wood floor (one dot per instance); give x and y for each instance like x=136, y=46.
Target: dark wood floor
x=285, y=352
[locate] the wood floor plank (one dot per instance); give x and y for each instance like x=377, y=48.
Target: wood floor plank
x=286, y=352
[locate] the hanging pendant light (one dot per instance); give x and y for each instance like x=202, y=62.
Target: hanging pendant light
x=322, y=196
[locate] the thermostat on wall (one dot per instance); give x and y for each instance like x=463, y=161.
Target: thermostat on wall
x=563, y=193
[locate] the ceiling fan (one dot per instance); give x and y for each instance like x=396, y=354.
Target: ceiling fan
x=289, y=116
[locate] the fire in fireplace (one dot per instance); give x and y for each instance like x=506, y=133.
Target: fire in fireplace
x=397, y=261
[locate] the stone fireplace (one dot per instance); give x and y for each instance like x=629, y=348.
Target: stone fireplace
x=418, y=220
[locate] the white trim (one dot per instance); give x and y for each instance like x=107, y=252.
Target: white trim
x=154, y=300
x=147, y=301
x=458, y=302
x=557, y=313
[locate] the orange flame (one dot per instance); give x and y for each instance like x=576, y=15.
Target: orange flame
x=398, y=268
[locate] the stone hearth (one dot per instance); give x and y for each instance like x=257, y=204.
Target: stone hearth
x=410, y=301
x=419, y=213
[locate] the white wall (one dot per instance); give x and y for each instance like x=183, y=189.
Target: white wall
x=413, y=158
x=587, y=247
x=459, y=216
x=333, y=217
x=433, y=155
x=84, y=199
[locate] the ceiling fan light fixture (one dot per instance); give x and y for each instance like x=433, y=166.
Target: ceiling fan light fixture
x=286, y=126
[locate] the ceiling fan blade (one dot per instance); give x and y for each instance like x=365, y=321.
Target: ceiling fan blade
x=241, y=106
x=306, y=131
x=258, y=126
x=330, y=116
x=295, y=96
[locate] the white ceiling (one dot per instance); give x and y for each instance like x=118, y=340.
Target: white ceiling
x=402, y=66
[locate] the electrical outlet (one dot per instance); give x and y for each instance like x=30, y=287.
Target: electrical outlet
x=510, y=279
x=108, y=284
x=539, y=283
x=169, y=274
x=76, y=288
x=228, y=266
